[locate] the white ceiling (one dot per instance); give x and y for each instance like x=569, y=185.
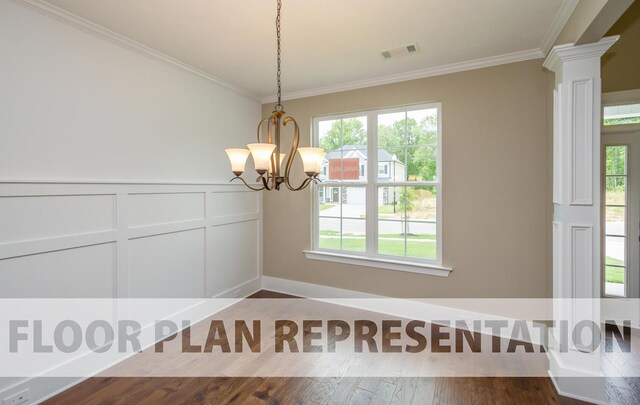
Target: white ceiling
x=325, y=42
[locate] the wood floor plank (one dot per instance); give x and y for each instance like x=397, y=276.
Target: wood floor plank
x=425, y=390
x=360, y=397
x=383, y=393
x=405, y=388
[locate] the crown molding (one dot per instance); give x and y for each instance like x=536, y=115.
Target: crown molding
x=60, y=15
x=558, y=23
x=519, y=56
x=570, y=52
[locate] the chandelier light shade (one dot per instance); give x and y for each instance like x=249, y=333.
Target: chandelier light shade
x=268, y=158
x=238, y=159
x=261, y=153
x=311, y=159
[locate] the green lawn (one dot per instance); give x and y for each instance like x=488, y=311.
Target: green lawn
x=614, y=274
x=386, y=209
x=326, y=206
x=384, y=235
x=398, y=236
x=418, y=249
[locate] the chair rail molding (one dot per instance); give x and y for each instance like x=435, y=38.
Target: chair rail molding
x=576, y=209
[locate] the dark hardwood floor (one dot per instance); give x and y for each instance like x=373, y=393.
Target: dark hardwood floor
x=327, y=390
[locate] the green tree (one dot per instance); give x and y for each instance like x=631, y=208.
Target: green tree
x=615, y=163
x=407, y=198
x=402, y=136
x=348, y=131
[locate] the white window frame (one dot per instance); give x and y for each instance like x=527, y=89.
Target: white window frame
x=369, y=257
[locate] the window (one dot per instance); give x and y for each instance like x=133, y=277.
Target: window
x=615, y=219
x=625, y=114
x=391, y=212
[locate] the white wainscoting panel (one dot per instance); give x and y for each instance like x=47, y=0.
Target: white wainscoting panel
x=171, y=265
x=226, y=204
x=232, y=261
x=153, y=209
x=38, y=217
x=82, y=272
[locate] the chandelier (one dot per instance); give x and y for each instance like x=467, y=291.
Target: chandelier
x=266, y=153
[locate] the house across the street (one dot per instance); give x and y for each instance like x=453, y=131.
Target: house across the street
x=349, y=163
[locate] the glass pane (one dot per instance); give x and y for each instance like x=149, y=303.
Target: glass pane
x=615, y=194
x=392, y=164
x=422, y=127
x=616, y=160
x=391, y=130
x=353, y=235
x=353, y=166
x=615, y=257
x=615, y=221
x=355, y=132
x=354, y=202
x=345, y=142
x=329, y=201
x=614, y=281
x=330, y=138
x=391, y=240
x=616, y=183
x=422, y=163
x=421, y=240
x=329, y=233
x=615, y=250
x=420, y=203
x=622, y=114
x=390, y=205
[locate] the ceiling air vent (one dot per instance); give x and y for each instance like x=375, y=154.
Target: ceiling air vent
x=400, y=51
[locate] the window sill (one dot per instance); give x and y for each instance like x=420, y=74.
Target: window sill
x=388, y=264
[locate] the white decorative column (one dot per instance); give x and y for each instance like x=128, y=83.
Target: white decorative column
x=576, y=217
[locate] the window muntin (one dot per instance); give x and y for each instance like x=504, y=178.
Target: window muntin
x=397, y=214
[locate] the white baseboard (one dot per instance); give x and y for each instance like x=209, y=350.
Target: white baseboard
x=308, y=290
x=400, y=307
x=44, y=388
x=565, y=391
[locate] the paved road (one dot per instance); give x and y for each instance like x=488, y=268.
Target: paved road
x=357, y=226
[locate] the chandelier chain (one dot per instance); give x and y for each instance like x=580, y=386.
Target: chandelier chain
x=279, y=105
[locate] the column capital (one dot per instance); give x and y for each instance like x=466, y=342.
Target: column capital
x=570, y=52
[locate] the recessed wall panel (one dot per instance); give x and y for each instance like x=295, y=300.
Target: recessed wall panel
x=167, y=266
x=233, y=203
x=163, y=208
x=83, y=272
x=235, y=256
x=39, y=217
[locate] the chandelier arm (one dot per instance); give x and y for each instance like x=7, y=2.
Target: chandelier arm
x=294, y=149
x=247, y=184
x=275, y=158
x=265, y=183
x=259, y=128
x=302, y=186
x=294, y=146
